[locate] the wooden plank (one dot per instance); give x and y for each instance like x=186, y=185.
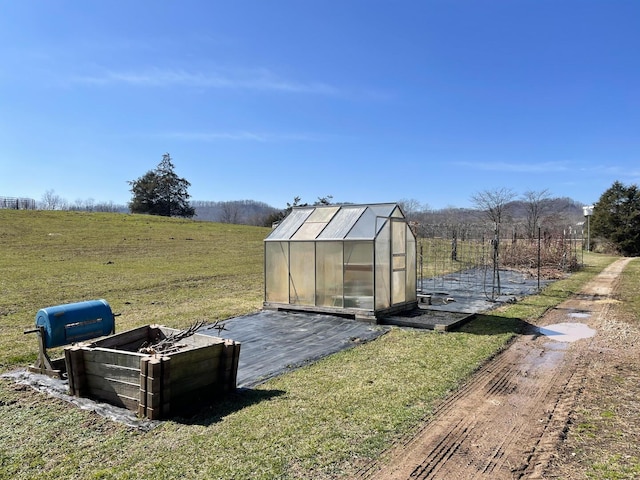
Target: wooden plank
x=131, y=346
x=114, y=372
x=232, y=378
x=142, y=398
x=187, y=357
x=80, y=382
x=96, y=383
x=191, y=384
x=166, y=387
x=196, y=340
x=139, y=334
x=366, y=315
x=154, y=389
x=111, y=397
x=153, y=402
x=70, y=377
x=227, y=374
x=187, y=369
x=129, y=403
x=221, y=374
x=194, y=400
x=204, y=373
x=74, y=358
x=113, y=357
x=200, y=340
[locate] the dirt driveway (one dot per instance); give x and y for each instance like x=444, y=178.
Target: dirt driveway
x=509, y=420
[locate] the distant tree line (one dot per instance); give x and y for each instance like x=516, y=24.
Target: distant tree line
x=500, y=207
x=52, y=201
x=242, y=212
x=615, y=223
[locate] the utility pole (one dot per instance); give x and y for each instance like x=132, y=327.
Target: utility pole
x=588, y=212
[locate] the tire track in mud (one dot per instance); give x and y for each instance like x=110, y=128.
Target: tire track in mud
x=507, y=421
x=463, y=442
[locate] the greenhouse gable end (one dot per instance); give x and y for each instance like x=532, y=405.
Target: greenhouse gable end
x=357, y=260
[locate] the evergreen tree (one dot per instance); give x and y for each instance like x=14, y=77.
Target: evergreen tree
x=161, y=192
x=277, y=217
x=616, y=218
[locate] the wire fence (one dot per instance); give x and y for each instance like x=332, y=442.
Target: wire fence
x=470, y=258
x=16, y=203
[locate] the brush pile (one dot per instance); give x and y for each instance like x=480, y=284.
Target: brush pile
x=171, y=343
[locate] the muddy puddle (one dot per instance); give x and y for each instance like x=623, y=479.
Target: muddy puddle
x=567, y=331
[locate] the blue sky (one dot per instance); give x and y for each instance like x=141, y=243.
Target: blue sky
x=365, y=100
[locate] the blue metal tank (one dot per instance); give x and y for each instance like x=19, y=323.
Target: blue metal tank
x=75, y=322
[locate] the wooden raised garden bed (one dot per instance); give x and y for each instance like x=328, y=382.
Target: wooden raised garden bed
x=155, y=385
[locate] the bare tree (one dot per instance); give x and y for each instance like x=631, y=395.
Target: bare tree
x=494, y=203
x=538, y=205
x=229, y=212
x=412, y=208
x=86, y=205
x=51, y=201
x=108, y=207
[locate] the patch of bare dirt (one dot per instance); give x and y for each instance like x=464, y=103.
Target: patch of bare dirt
x=514, y=419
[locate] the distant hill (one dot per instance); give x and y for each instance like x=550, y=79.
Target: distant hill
x=241, y=212
x=559, y=211
x=556, y=206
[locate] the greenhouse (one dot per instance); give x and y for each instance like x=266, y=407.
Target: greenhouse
x=356, y=260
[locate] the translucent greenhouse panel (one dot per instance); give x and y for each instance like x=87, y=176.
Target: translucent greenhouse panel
x=411, y=292
x=399, y=261
x=329, y=274
x=364, y=226
x=290, y=225
x=383, y=209
x=383, y=268
x=315, y=223
x=399, y=236
x=323, y=214
x=358, y=275
x=399, y=264
x=398, y=294
x=397, y=213
x=342, y=223
x=277, y=272
x=301, y=273
x=380, y=223
x=308, y=231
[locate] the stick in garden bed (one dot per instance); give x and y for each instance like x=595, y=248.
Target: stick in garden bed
x=170, y=343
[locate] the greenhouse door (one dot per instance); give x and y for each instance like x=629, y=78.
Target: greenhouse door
x=398, y=261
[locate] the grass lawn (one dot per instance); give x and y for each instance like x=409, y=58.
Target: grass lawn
x=322, y=421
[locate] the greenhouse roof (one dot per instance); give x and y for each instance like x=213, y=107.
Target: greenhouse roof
x=335, y=222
